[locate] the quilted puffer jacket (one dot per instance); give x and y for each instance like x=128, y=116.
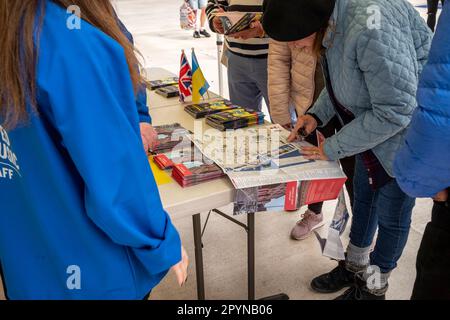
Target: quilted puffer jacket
x=376, y=50
x=422, y=165
x=294, y=78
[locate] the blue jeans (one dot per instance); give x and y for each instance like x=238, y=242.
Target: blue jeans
x=389, y=209
x=247, y=81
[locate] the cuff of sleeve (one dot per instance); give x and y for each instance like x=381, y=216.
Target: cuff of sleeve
x=319, y=121
x=332, y=150
x=165, y=256
x=145, y=118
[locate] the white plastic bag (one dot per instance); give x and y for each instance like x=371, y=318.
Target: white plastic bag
x=187, y=16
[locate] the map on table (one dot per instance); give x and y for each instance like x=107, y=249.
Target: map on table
x=261, y=156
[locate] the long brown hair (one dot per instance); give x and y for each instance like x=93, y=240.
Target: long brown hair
x=18, y=55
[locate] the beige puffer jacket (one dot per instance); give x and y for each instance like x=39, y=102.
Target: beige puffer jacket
x=294, y=78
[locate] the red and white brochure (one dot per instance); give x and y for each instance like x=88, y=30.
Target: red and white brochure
x=291, y=196
x=162, y=161
x=182, y=170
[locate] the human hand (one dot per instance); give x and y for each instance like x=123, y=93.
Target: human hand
x=255, y=31
x=441, y=196
x=149, y=136
x=305, y=125
x=314, y=153
x=181, y=268
x=217, y=24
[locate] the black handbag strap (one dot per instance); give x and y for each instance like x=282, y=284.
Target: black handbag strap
x=345, y=116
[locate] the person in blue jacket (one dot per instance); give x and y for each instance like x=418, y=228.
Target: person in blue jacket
x=422, y=165
x=372, y=54
x=81, y=216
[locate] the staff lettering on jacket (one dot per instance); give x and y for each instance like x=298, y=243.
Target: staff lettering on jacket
x=7, y=154
x=8, y=159
x=6, y=173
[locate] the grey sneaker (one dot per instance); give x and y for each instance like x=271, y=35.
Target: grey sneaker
x=304, y=227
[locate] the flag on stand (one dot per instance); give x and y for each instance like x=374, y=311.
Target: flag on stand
x=199, y=84
x=185, y=78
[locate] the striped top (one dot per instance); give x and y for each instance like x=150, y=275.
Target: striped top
x=256, y=47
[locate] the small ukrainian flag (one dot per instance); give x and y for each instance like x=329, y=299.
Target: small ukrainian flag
x=199, y=84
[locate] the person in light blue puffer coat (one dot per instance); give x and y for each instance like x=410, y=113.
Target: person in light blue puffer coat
x=374, y=52
x=422, y=165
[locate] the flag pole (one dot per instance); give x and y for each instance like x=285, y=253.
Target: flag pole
x=219, y=43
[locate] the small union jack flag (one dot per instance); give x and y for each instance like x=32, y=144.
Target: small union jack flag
x=185, y=78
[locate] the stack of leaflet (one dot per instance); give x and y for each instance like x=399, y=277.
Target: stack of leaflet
x=169, y=137
x=157, y=84
x=196, y=170
x=201, y=110
x=169, y=91
x=235, y=119
x=178, y=155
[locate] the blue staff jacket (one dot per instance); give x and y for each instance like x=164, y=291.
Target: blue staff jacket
x=81, y=216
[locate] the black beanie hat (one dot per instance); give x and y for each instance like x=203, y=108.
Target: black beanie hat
x=292, y=20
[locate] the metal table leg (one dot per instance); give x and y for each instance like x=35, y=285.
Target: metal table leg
x=197, y=224
x=251, y=255
x=250, y=229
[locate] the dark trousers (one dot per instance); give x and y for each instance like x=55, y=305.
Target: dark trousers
x=433, y=259
x=432, y=12
x=348, y=164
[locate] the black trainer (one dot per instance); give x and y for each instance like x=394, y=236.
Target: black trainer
x=359, y=291
x=337, y=279
x=196, y=34
x=205, y=33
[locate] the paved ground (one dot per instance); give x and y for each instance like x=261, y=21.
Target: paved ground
x=283, y=265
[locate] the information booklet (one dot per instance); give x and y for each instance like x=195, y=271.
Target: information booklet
x=178, y=155
x=157, y=84
x=169, y=91
x=290, y=196
x=233, y=21
x=201, y=110
x=235, y=119
x=170, y=136
x=191, y=173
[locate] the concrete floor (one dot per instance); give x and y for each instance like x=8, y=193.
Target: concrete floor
x=283, y=265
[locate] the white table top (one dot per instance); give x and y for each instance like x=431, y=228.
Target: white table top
x=181, y=202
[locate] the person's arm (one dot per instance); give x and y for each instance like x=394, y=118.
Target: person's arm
x=391, y=80
x=141, y=103
x=141, y=97
x=213, y=7
x=422, y=36
x=148, y=133
x=279, y=81
x=94, y=111
x=323, y=109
